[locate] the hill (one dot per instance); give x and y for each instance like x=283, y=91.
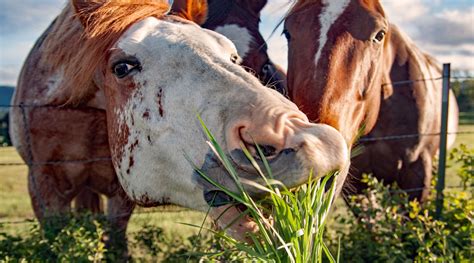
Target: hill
x=6, y=93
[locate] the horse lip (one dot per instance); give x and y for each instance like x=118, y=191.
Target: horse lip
x=217, y=198
x=283, y=165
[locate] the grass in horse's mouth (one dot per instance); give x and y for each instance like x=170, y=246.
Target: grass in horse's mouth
x=290, y=224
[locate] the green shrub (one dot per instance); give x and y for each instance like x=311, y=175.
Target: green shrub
x=390, y=228
x=153, y=246
x=63, y=239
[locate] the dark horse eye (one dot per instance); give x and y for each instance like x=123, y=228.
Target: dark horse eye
x=287, y=34
x=122, y=69
x=379, y=37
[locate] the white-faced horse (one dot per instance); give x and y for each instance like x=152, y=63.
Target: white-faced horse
x=124, y=80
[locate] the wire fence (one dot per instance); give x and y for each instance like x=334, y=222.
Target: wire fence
x=367, y=139
x=139, y=212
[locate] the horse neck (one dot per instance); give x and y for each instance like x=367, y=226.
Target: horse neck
x=222, y=10
x=59, y=45
x=401, y=51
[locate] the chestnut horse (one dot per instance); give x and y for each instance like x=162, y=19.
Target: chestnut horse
x=239, y=21
x=343, y=58
x=108, y=99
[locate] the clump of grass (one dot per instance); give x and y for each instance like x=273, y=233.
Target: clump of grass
x=299, y=216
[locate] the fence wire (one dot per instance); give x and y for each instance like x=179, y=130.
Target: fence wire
x=104, y=216
x=107, y=159
x=30, y=160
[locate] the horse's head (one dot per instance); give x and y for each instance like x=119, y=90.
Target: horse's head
x=155, y=73
x=336, y=51
x=239, y=21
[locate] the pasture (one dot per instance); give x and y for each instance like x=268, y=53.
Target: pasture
x=15, y=205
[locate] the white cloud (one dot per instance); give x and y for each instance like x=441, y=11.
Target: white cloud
x=276, y=8
x=21, y=23
x=9, y=74
x=278, y=50
x=403, y=11
x=450, y=27
x=271, y=15
x=444, y=31
x=20, y=17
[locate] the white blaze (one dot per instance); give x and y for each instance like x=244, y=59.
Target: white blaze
x=240, y=36
x=331, y=12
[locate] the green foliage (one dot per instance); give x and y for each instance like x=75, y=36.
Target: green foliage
x=465, y=158
x=70, y=239
x=390, y=228
x=157, y=247
x=4, y=135
x=464, y=91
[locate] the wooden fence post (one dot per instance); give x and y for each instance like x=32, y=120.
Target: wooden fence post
x=443, y=139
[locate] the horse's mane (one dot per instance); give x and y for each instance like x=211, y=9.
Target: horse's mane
x=78, y=50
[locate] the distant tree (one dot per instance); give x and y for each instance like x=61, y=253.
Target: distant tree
x=464, y=90
x=5, y=139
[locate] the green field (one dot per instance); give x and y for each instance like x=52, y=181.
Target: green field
x=15, y=203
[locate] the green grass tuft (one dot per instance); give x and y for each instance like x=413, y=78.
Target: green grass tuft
x=299, y=216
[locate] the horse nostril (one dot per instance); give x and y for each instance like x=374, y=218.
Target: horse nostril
x=267, y=150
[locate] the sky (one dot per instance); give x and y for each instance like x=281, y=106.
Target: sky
x=443, y=28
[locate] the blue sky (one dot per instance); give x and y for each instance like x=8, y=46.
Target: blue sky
x=443, y=28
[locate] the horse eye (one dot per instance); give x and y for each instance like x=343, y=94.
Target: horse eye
x=122, y=69
x=266, y=68
x=287, y=34
x=234, y=58
x=379, y=37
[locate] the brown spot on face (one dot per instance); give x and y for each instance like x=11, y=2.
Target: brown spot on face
x=130, y=163
x=160, y=104
x=132, y=160
x=132, y=147
x=146, y=114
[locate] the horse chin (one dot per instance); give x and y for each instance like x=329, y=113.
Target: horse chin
x=235, y=222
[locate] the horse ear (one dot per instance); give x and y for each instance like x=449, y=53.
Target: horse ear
x=194, y=10
x=83, y=9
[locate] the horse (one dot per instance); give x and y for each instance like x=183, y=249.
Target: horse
x=350, y=68
x=239, y=21
x=107, y=101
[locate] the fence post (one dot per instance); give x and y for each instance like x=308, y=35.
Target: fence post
x=443, y=139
